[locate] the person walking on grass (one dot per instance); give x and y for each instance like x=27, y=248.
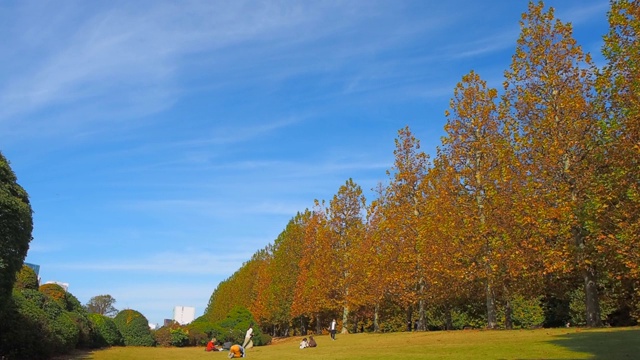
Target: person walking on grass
x=332, y=328
x=247, y=338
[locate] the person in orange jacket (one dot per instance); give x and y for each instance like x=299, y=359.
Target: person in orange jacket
x=236, y=351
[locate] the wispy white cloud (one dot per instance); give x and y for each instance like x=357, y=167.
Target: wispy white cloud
x=127, y=60
x=585, y=12
x=179, y=262
x=156, y=300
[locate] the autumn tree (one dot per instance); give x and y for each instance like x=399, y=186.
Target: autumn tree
x=282, y=271
x=238, y=290
x=480, y=153
x=453, y=273
x=374, y=279
x=261, y=285
x=473, y=146
x=550, y=92
x=404, y=248
x=616, y=203
x=313, y=289
x=345, y=221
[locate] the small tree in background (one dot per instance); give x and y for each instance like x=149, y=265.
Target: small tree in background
x=103, y=305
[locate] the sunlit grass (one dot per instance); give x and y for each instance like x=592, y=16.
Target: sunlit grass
x=572, y=343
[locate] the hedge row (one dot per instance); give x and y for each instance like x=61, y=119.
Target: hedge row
x=46, y=321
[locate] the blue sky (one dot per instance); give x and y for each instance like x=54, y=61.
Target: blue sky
x=163, y=143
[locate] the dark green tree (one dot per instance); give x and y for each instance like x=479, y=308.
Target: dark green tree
x=106, y=332
x=134, y=328
x=235, y=325
x=16, y=225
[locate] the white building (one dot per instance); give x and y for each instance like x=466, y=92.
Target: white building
x=184, y=314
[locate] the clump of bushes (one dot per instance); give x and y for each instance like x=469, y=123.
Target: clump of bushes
x=26, y=279
x=234, y=327
x=172, y=335
x=134, y=328
x=105, y=332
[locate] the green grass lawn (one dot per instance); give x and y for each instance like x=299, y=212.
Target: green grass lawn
x=572, y=343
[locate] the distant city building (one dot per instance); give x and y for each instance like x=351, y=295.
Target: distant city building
x=36, y=268
x=153, y=326
x=65, y=286
x=184, y=314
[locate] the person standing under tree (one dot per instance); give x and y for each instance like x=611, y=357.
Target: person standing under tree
x=332, y=328
x=247, y=338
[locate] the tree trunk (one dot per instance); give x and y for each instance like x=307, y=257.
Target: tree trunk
x=448, y=319
x=318, y=325
x=409, y=318
x=508, y=323
x=422, y=321
x=345, y=319
x=591, y=298
x=592, y=303
x=491, y=307
x=376, y=324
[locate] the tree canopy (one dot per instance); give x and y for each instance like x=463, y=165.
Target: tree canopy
x=527, y=214
x=16, y=225
x=102, y=304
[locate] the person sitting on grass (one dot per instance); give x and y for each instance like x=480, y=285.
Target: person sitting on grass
x=312, y=341
x=236, y=351
x=304, y=343
x=211, y=345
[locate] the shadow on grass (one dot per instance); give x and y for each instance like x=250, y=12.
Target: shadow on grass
x=76, y=355
x=610, y=345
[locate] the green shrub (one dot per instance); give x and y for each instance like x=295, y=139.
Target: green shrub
x=197, y=337
x=64, y=332
x=201, y=330
x=105, y=332
x=262, y=339
x=60, y=333
x=234, y=327
x=578, y=308
x=80, y=317
x=134, y=328
x=527, y=313
x=37, y=326
x=172, y=335
x=26, y=279
x=24, y=328
x=85, y=329
x=162, y=336
x=73, y=304
x=179, y=337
